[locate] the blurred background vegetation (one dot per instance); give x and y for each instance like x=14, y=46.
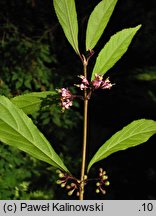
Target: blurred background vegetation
x=35, y=56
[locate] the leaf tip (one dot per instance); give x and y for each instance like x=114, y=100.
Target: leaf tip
x=138, y=26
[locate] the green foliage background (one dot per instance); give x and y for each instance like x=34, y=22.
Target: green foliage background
x=28, y=64
x=35, y=56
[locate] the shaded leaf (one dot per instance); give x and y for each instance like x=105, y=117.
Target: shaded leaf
x=98, y=21
x=18, y=130
x=31, y=102
x=114, y=50
x=67, y=16
x=147, y=76
x=135, y=133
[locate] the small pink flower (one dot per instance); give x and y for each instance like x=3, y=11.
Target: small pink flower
x=98, y=77
x=84, y=84
x=65, y=93
x=97, y=81
x=66, y=103
x=84, y=80
x=66, y=98
x=106, y=84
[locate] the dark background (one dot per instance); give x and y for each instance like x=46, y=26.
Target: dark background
x=132, y=173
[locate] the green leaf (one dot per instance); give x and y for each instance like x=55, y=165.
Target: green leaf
x=98, y=21
x=135, y=133
x=18, y=130
x=114, y=50
x=31, y=102
x=67, y=16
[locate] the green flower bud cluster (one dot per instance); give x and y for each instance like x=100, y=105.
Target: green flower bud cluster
x=102, y=182
x=63, y=178
x=69, y=182
x=72, y=188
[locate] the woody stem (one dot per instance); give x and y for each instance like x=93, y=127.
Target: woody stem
x=81, y=196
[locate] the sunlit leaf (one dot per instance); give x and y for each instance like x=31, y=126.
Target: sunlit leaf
x=98, y=21
x=114, y=50
x=31, y=102
x=135, y=133
x=18, y=130
x=67, y=16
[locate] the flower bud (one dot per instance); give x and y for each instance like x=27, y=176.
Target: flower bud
x=77, y=194
x=100, y=170
x=107, y=183
x=63, y=185
x=85, y=177
x=58, y=171
x=104, y=172
x=70, y=193
x=104, y=177
x=61, y=175
x=103, y=191
x=97, y=191
x=68, y=187
x=58, y=182
x=100, y=174
x=98, y=184
x=72, y=184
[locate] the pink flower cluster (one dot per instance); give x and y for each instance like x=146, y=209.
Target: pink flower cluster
x=66, y=98
x=98, y=82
